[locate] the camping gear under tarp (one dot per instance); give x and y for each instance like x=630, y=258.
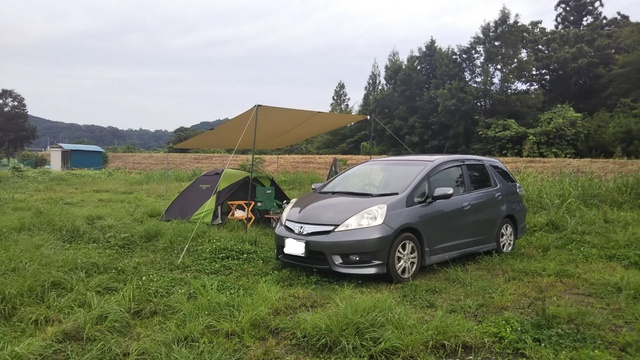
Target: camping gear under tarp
x=221, y=186
x=275, y=128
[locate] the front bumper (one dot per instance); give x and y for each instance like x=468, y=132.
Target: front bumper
x=332, y=250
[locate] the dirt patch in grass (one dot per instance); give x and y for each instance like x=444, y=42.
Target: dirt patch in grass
x=274, y=164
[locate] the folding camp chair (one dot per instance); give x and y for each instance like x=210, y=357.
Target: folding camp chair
x=267, y=203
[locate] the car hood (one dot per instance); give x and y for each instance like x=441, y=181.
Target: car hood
x=331, y=209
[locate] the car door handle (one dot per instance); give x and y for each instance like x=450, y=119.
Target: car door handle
x=466, y=205
x=498, y=195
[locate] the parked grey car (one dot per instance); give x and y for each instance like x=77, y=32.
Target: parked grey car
x=393, y=215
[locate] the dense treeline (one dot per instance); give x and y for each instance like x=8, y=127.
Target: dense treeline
x=515, y=89
x=50, y=132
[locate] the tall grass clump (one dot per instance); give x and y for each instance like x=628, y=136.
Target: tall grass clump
x=587, y=216
x=371, y=325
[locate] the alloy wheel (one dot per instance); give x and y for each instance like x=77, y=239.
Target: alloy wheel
x=506, y=237
x=406, y=259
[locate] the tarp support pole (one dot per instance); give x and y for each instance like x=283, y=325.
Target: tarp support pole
x=166, y=180
x=253, y=150
x=253, y=154
x=371, y=138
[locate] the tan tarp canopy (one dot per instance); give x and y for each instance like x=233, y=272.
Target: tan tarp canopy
x=277, y=127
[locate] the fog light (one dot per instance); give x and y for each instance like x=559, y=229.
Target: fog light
x=354, y=257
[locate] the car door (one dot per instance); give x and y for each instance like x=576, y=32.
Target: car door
x=443, y=222
x=485, y=205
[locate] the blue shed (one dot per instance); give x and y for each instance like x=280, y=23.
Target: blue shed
x=75, y=156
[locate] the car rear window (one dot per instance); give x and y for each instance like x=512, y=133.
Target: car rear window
x=504, y=174
x=479, y=177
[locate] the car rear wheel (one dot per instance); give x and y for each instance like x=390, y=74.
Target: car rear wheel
x=405, y=258
x=506, y=237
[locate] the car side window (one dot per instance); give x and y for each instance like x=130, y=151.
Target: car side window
x=422, y=192
x=479, y=177
x=450, y=177
x=504, y=174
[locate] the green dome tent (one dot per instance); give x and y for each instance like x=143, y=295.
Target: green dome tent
x=207, y=196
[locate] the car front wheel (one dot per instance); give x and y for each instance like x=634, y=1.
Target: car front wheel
x=506, y=237
x=405, y=258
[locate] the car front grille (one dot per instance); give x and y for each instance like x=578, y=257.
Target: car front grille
x=308, y=229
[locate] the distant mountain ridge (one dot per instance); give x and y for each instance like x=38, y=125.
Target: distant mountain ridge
x=51, y=132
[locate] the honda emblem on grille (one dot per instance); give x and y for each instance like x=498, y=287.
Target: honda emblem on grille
x=300, y=230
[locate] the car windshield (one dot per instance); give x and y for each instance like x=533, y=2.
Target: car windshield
x=375, y=178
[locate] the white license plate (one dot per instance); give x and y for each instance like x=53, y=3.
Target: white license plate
x=294, y=247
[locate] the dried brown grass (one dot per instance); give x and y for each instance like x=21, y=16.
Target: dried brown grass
x=274, y=164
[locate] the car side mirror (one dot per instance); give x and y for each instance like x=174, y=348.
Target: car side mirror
x=442, y=193
x=316, y=186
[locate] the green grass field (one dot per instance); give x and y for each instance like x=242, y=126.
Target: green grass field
x=87, y=270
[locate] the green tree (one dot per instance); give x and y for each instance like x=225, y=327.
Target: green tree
x=340, y=100
x=405, y=122
x=499, y=64
x=182, y=134
x=15, y=130
x=623, y=79
x=371, y=90
x=418, y=107
x=389, y=111
x=335, y=142
x=501, y=137
x=587, y=63
x=559, y=134
x=338, y=141
x=572, y=66
x=599, y=139
x=30, y=159
x=126, y=148
x=576, y=14
x=358, y=135
x=449, y=107
x=424, y=104
x=626, y=129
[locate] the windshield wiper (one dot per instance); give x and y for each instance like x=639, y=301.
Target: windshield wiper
x=356, y=193
x=384, y=194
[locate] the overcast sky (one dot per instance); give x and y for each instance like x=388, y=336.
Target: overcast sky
x=164, y=64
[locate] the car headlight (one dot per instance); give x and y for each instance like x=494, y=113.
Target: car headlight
x=285, y=212
x=365, y=218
